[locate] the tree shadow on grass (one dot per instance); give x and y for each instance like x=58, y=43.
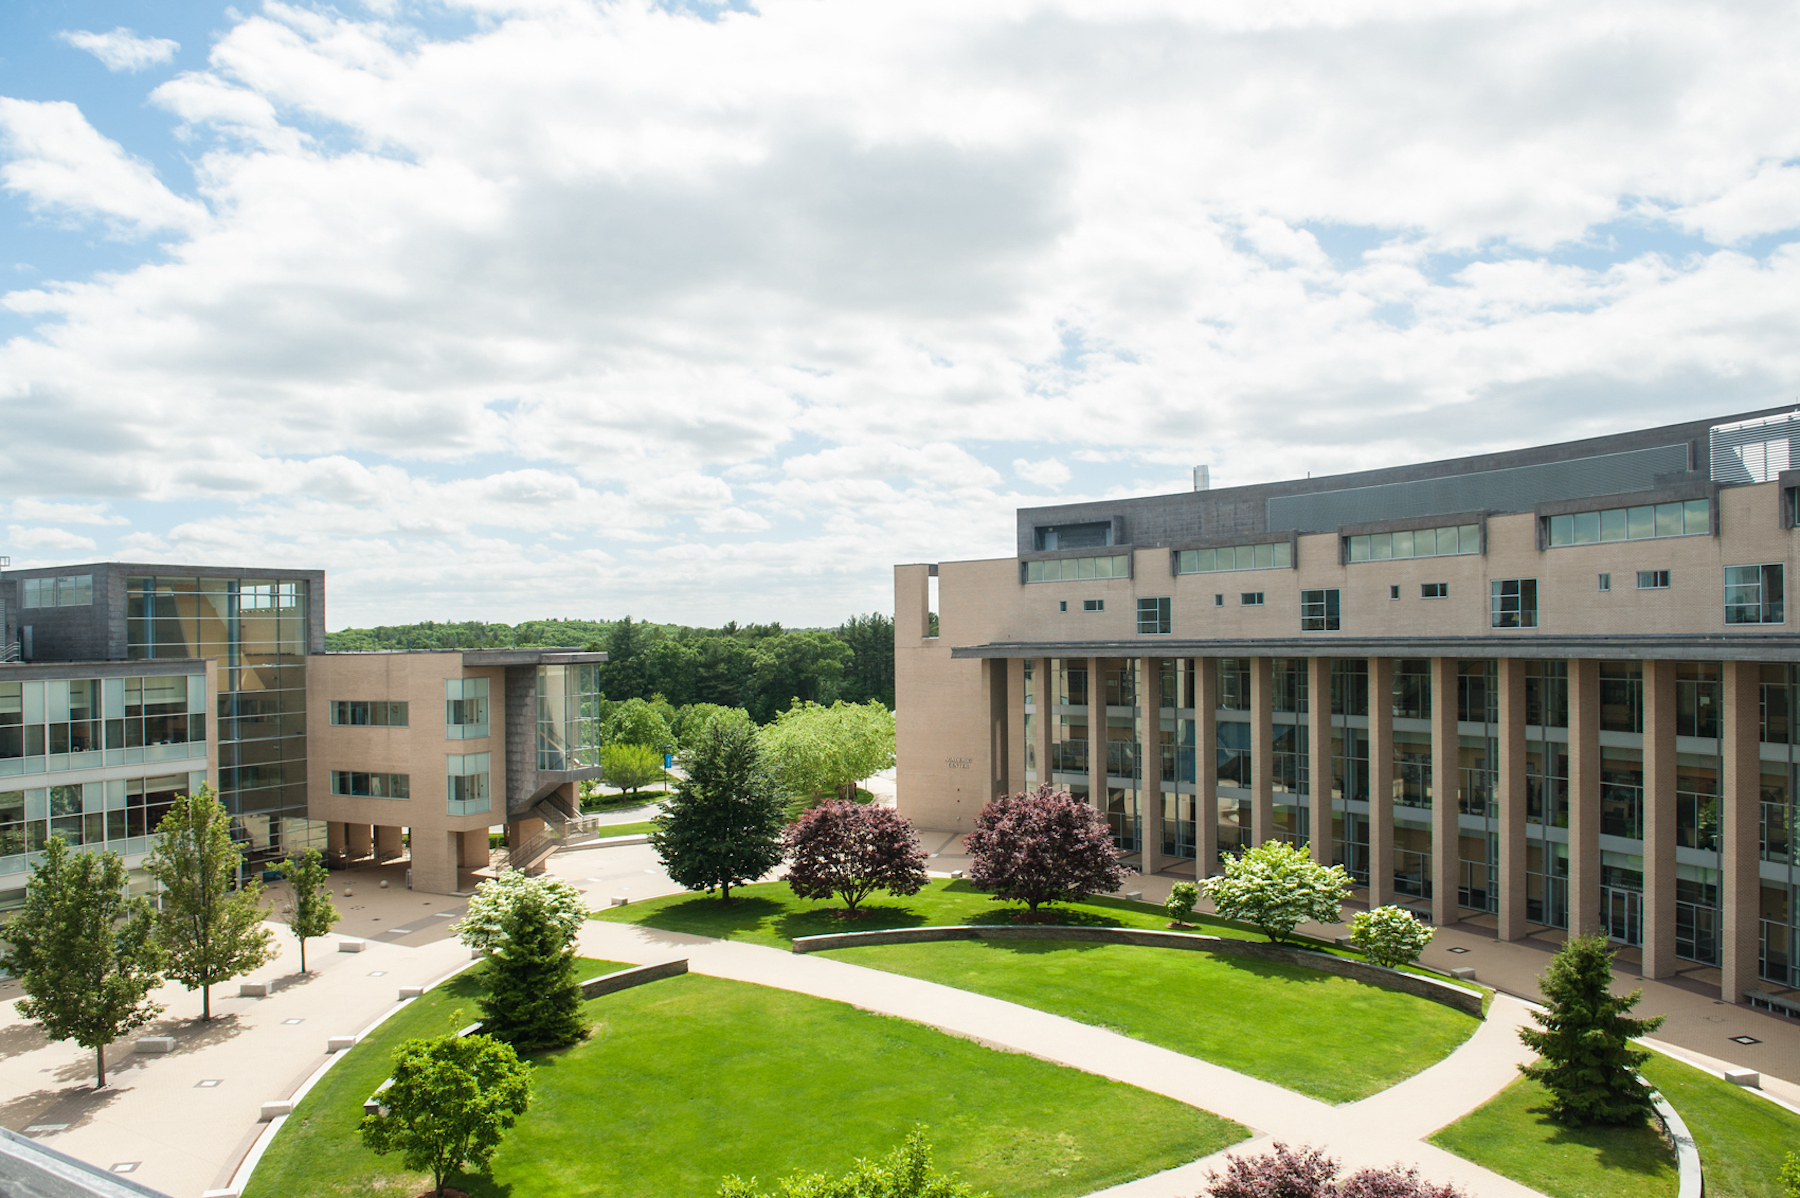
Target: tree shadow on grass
x=873, y=917
x=1633, y=1149
x=705, y=915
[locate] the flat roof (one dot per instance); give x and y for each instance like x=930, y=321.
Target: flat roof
x=1698, y=647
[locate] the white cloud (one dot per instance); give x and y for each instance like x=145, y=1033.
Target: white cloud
x=554, y=313
x=54, y=539
x=65, y=513
x=60, y=163
x=1048, y=473
x=122, y=50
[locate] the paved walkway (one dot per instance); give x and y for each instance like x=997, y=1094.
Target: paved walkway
x=1377, y=1131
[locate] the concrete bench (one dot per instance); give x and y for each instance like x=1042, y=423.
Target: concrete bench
x=155, y=1044
x=407, y=992
x=1764, y=1001
x=1744, y=1077
x=274, y=1110
x=352, y=946
x=253, y=989
x=340, y=1043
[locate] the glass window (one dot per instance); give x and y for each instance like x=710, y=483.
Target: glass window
x=1154, y=617
x=1093, y=605
x=465, y=708
x=1514, y=603
x=1604, y=582
x=357, y=713
x=1250, y=599
x=68, y=590
x=1276, y=555
x=1449, y=541
x=1644, y=522
x=1071, y=569
x=1319, y=611
x=1754, y=594
x=1653, y=580
x=374, y=786
x=568, y=717
x=467, y=778
x=1432, y=590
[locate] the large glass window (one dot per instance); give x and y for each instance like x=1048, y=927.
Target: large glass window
x=1234, y=683
x=367, y=785
x=1234, y=753
x=1419, y=542
x=68, y=590
x=1514, y=602
x=1642, y=523
x=1754, y=594
x=467, y=782
x=356, y=713
x=1699, y=697
x=1621, y=696
x=1275, y=555
x=465, y=708
x=1319, y=611
x=1071, y=569
x=568, y=717
x=1412, y=688
x=1154, y=617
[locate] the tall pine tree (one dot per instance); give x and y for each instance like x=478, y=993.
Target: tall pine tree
x=724, y=825
x=208, y=932
x=83, y=952
x=533, y=1000
x=1585, y=1057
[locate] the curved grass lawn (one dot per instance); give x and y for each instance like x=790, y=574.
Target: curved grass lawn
x=1742, y=1138
x=768, y=913
x=688, y=1079
x=1330, y=1037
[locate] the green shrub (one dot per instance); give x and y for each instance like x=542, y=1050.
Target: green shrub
x=1391, y=936
x=1181, y=900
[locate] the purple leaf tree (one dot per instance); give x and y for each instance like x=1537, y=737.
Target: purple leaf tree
x=851, y=851
x=1043, y=846
x=1309, y=1173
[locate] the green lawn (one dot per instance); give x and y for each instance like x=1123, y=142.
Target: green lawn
x=1742, y=1138
x=1511, y=1135
x=768, y=913
x=643, y=829
x=1330, y=1037
x=623, y=802
x=690, y=1078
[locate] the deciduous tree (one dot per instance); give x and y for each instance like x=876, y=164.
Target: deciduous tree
x=724, y=825
x=452, y=1100
x=1309, y=1173
x=851, y=850
x=1042, y=846
x=1181, y=900
x=1391, y=936
x=1277, y=887
x=1585, y=1058
x=312, y=914
x=483, y=924
x=638, y=722
x=84, y=954
x=631, y=767
x=532, y=1000
x=818, y=750
x=209, y=932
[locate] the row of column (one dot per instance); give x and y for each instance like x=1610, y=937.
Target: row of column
x=1740, y=779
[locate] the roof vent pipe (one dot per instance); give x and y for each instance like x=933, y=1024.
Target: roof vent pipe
x=1202, y=478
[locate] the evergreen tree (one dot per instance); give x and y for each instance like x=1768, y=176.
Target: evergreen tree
x=312, y=914
x=533, y=1000
x=1585, y=1057
x=208, y=932
x=724, y=825
x=85, y=954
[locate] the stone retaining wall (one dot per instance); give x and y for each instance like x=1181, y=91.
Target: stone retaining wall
x=1467, y=1001
x=625, y=979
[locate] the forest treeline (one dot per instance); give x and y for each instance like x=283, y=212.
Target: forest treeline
x=762, y=668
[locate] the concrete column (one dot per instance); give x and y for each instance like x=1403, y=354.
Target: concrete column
x=473, y=852
x=1096, y=736
x=1381, y=781
x=334, y=837
x=1318, y=759
x=1446, y=854
x=1659, y=819
x=521, y=832
x=1512, y=799
x=434, y=861
x=1149, y=697
x=1015, y=723
x=1262, y=758
x=1206, y=767
x=1740, y=796
x=388, y=842
x=1000, y=740
x=1046, y=714
x=359, y=841
x=1584, y=797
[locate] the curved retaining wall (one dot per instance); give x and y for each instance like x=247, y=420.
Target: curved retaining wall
x=1467, y=1001
x=1687, y=1156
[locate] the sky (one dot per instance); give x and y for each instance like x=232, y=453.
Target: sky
x=512, y=309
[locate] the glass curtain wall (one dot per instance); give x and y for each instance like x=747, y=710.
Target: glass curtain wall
x=1124, y=750
x=568, y=717
x=1029, y=697
x=1233, y=733
x=1350, y=766
x=1175, y=735
x=1068, y=695
x=257, y=631
x=1477, y=775
x=1547, y=793
x=1412, y=700
x=1699, y=699
x=1779, y=942
x=1289, y=750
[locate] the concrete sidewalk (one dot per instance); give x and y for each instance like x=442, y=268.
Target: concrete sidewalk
x=1377, y=1131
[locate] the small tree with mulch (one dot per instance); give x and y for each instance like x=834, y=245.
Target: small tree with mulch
x=1585, y=1058
x=851, y=850
x=1043, y=846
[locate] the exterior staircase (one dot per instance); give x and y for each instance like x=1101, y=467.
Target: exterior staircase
x=562, y=828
